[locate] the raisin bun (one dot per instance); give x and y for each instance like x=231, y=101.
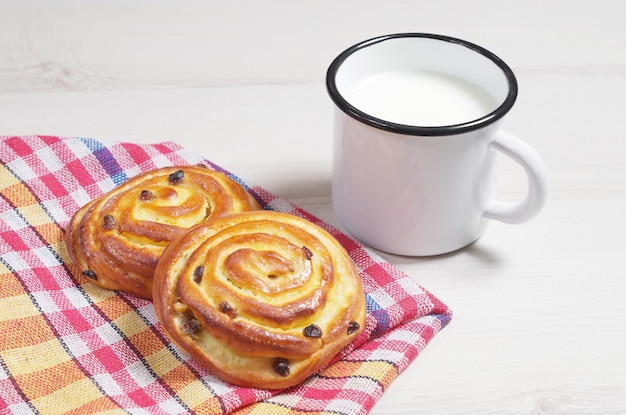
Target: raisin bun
x=117, y=239
x=261, y=299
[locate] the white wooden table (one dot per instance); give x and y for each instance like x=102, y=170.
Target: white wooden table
x=539, y=307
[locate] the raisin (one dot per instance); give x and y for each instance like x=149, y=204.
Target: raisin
x=146, y=196
x=307, y=252
x=228, y=309
x=197, y=274
x=177, y=177
x=353, y=327
x=90, y=274
x=312, y=330
x=109, y=222
x=281, y=366
x=190, y=326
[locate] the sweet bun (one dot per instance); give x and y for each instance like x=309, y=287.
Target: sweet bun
x=262, y=299
x=117, y=239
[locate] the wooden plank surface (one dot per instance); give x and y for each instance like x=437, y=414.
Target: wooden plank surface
x=539, y=307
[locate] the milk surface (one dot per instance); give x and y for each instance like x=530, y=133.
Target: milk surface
x=420, y=98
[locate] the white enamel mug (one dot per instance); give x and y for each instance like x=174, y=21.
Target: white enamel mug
x=413, y=154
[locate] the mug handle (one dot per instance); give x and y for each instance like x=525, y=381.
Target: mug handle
x=528, y=158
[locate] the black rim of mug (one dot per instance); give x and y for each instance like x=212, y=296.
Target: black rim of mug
x=346, y=107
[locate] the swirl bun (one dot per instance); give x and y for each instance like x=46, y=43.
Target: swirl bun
x=118, y=238
x=262, y=299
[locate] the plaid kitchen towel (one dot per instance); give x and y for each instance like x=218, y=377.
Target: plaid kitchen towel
x=68, y=346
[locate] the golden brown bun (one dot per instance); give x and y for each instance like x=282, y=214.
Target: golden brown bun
x=262, y=299
x=117, y=239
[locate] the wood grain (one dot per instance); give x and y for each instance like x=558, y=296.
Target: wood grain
x=539, y=307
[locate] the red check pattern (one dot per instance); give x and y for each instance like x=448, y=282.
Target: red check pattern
x=68, y=346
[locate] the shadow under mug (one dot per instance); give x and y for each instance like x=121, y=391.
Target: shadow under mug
x=418, y=188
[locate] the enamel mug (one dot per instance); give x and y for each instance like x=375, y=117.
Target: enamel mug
x=417, y=125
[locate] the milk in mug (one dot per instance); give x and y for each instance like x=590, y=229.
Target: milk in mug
x=420, y=98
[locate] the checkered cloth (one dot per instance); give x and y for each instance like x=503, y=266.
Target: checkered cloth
x=68, y=346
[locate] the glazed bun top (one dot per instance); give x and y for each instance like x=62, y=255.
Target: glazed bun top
x=117, y=239
x=262, y=299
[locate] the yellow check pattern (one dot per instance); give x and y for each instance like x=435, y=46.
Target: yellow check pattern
x=44, y=372
x=68, y=346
